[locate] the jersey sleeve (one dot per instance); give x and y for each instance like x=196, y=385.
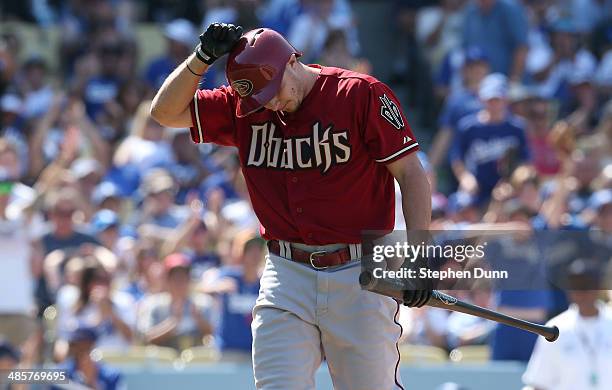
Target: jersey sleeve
x=387, y=135
x=213, y=118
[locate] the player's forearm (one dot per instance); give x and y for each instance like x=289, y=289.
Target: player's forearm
x=176, y=93
x=416, y=197
x=416, y=203
x=416, y=191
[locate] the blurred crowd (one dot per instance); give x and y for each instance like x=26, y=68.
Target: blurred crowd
x=115, y=231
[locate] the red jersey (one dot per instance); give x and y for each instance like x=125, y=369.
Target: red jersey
x=317, y=175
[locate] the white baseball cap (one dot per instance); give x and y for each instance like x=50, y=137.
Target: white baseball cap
x=181, y=30
x=493, y=86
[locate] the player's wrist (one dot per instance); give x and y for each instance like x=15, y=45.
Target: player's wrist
x=195, y=65
x=204, y=56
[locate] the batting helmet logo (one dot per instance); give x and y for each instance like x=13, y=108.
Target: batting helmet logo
x=244, y=87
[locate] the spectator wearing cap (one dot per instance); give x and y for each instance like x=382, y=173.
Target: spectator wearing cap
x=88, y=172
x=459, y=104
x=581, y=357
x=107, y=195
x=105, y=227
x=158, y=213
x=500, y=28
x=176, y=318
x=37, y=91
x=181, y=38
x=82, y=369
x=489, y=144
x=237, y=288
x=111, y=313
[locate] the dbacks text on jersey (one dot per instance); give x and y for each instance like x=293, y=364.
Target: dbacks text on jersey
x=322, y=149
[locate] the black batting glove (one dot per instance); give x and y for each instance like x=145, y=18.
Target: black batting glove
x=216, y=41
x=420, y=296
x=419, y=290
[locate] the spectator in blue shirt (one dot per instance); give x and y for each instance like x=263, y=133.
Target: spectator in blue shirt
x=103, y=87
x=82, y=369
x=459, y=104
x=237, y=289
x=500, y=28
x=490, y=143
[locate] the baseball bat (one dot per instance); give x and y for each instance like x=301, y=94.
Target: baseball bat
x=394, y=289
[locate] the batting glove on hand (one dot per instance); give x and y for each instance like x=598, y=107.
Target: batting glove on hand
x=419, y=296
x=418, y=290
x=216, y=41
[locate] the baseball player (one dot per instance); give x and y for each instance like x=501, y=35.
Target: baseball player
x=319, y=148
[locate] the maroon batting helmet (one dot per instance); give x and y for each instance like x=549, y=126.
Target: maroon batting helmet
x=255, y=68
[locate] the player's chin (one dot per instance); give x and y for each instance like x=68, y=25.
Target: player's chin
x=290, y=107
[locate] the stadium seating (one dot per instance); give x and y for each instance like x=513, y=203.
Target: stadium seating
x=415, y=354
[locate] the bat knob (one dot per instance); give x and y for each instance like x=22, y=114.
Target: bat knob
x=554, y=335
x=366, y=279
